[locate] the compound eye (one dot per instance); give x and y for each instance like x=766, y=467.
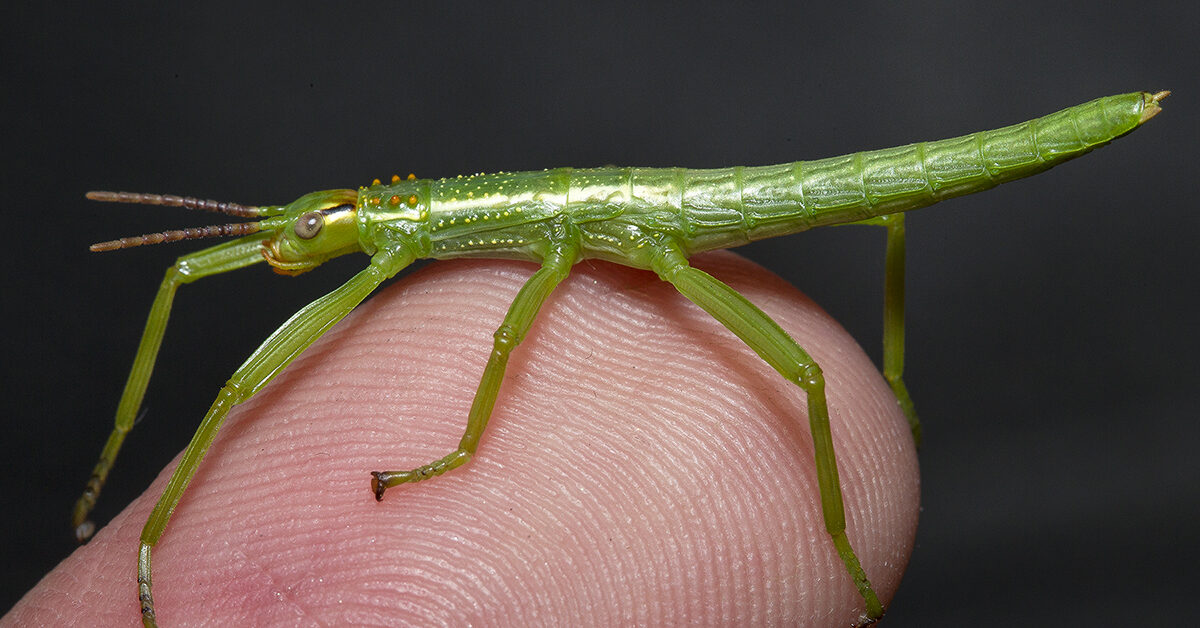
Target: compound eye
x=309, y=225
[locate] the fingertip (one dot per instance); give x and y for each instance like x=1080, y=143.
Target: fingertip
x=641, y=465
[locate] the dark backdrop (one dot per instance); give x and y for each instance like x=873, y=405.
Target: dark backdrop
x=1052, y=337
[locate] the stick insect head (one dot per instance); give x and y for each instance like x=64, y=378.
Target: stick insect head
x=300, y=235
x=312, y=229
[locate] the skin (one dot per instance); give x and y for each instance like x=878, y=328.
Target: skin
x=642, y=467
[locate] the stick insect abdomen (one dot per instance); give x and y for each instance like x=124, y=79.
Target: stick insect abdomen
x=788, y=198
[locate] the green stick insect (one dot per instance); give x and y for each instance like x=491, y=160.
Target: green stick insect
x=647, y=218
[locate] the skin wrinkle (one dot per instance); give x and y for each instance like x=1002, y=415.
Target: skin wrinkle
x=632, y=496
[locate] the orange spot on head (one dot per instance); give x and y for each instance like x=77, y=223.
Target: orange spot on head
x=395, y=178
x=412, y=201
x=411, y=176
x=394, y=200
x=375, y=182
x=375, y=201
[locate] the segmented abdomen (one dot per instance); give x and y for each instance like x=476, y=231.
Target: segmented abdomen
x=727, y=207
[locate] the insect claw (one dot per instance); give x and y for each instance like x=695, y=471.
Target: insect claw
x=377, y=486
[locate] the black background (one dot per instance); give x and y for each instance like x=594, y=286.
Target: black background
x=1053, y=346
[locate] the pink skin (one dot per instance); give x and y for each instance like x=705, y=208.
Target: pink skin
x=642, y=467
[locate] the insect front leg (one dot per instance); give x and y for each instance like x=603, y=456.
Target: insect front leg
x=294, y=336
x=511, y=332
x=774, y=345
x=218, y=259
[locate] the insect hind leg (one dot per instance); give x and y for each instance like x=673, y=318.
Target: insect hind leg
x=777, y=348
x=893, y=320
x=893, y=315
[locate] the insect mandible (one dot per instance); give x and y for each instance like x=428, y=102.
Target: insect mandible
x=647, y=218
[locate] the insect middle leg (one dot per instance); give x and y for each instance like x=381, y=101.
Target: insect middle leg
x=511, y=332
x=774, y=345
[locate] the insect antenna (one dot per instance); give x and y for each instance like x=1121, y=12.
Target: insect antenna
x=187, y=202
x=191, y=233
